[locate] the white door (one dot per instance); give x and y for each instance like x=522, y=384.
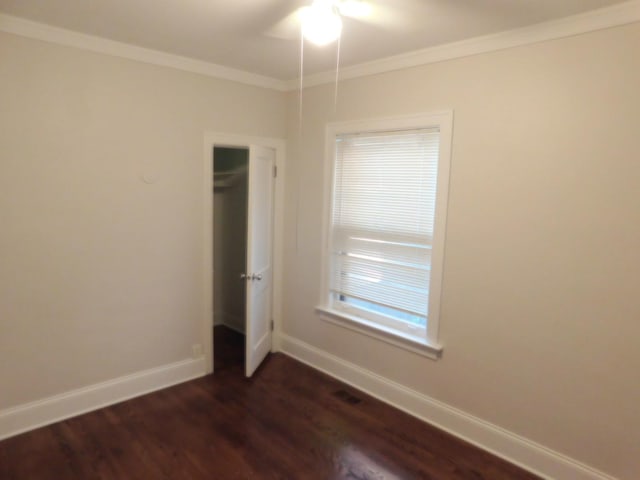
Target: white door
x=259, y=256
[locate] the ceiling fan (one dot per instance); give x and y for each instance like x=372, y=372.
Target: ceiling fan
x=321, y=22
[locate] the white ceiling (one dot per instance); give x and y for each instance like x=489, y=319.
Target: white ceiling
x=232, y=32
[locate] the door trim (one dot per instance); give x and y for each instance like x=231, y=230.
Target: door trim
x=218, y=139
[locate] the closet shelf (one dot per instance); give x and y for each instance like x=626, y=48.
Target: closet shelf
x=227, y=179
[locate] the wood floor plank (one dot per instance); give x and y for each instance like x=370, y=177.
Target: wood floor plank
x=287, y=422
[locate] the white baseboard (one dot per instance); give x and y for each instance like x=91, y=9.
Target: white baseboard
x=529, y=455
x=22, y=418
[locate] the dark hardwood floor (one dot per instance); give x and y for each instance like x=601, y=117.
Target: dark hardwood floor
x=287, y=422
x=228, y=349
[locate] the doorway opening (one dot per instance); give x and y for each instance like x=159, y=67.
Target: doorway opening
x=242, y=256
x=230, y=206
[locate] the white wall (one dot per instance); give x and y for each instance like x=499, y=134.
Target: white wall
x=101, y=273
x=540, y=306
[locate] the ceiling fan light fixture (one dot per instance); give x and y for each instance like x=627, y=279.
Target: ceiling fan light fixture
x=321, y=24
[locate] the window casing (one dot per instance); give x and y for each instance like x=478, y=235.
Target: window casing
x=387, y=183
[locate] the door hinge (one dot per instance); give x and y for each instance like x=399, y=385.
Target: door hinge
x=272, y=325
x=275, y=171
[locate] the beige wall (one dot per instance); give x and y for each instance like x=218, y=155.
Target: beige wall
x=101, y=273
x=540, y=313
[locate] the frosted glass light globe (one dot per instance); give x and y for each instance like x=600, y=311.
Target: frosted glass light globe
x=321, y=25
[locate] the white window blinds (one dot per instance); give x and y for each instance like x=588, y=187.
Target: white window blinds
x=382, y=222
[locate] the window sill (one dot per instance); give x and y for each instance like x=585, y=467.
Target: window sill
x=356, y=324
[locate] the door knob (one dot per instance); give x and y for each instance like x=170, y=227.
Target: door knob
x=256, y=277
x=244, y=276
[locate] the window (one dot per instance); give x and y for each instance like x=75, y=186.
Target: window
x=385, y=229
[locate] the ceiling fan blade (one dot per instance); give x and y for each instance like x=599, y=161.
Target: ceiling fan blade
x=289, y=27
x=358, y=9
x=387, y=18
x=378, y=13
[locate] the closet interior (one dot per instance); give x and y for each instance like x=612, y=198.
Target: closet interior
x=230, y=187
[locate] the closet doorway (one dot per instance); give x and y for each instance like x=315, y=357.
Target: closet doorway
x=243, y=194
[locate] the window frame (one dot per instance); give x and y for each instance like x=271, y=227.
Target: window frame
x=428, y=346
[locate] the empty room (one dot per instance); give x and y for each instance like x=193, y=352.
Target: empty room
x=320, y=239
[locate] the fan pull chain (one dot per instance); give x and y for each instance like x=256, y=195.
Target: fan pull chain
x=301, y=83
x=297, y=183
x=335, y=95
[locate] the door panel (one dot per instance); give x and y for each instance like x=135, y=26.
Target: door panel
x=259, y=256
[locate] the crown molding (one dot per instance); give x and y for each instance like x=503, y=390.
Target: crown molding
x=60, y=36
x=608, y=17
x=617, y=15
